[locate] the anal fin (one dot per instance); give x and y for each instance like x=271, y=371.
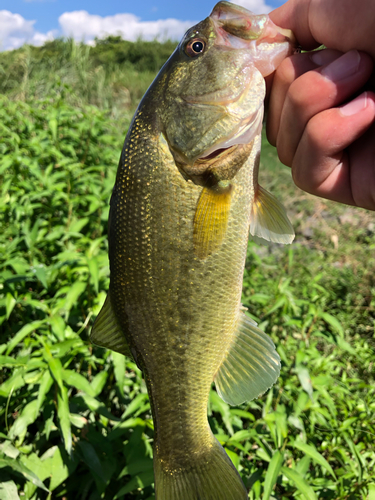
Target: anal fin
x=269, y=220
x=106, y=331
x=250, y=367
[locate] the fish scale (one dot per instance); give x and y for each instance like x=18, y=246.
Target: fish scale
x=180, y=215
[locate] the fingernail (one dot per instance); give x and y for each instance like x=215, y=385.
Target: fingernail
x=343, y=67
x=355, y=106
x=324, y=56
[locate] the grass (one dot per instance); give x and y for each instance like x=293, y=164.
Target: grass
x=75, y=419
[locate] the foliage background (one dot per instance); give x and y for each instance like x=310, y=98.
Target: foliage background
x=75, y=419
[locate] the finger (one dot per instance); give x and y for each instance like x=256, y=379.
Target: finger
x=362, y=172
x=338, y=24
x=288, y=71
x=316, y=91
x=323, y=167
x=294, y=15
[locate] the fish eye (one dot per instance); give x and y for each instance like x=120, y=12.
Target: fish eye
x=195, y=47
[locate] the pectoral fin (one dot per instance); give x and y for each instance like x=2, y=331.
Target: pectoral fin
x=250, y=367
x=269, y=220
x=211, y=220
x=106, y=331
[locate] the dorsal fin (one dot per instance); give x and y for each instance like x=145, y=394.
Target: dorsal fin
x=250, y=367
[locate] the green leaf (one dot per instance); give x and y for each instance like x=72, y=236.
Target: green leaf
x=22, y=333
x=22, y=469
x=55, y=367
x=58, y=326
x=303, y=465
x=53, y=127
x=45, y=385
x=371, y=491
x=10, y=302
x=27, y=417
x=78, y=381
x=304, y=378
x=137, y=403
x=8, y=361
x=13, y=383
x=64, y=419
x=40, y=273
x=59, y=470
x=73, y=294
x=78, y=421
x=93, y=266
x=272, y=474
x=97, y=406
x=345, y=346
x=91, y=459
x=119, y=365
x=357, y=456
x=98, y=382
x=78, y=224
x=314, y=454
x=331, y=320
x=39, y=467
x=8, y=490
x=300, y=483
x=9, y=450
x=141, y=481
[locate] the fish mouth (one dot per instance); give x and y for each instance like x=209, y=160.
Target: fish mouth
x=222, y=164
x=244, y=25
x=238, y=28
x=217, y=152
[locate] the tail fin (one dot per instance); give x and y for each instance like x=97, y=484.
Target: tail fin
x=208, y=477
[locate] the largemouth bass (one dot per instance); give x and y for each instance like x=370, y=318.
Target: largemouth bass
x=185, y=198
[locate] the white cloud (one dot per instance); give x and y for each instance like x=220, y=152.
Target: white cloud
x=16, y=30
x=84, y=26
x=256, y=6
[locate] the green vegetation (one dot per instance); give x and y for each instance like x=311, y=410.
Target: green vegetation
x=75, y=420
x=113, y=75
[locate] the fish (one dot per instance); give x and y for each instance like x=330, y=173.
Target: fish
x=185, y=199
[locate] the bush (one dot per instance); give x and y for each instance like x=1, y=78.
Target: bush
x=76, y=418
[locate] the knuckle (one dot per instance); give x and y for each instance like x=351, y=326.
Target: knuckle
x=306, y=91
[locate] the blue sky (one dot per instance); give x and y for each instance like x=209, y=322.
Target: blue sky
x=35, y=21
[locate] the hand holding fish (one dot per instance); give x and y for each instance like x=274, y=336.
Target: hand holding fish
x=320, y=118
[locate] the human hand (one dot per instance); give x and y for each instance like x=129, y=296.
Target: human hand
x=320, y=125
